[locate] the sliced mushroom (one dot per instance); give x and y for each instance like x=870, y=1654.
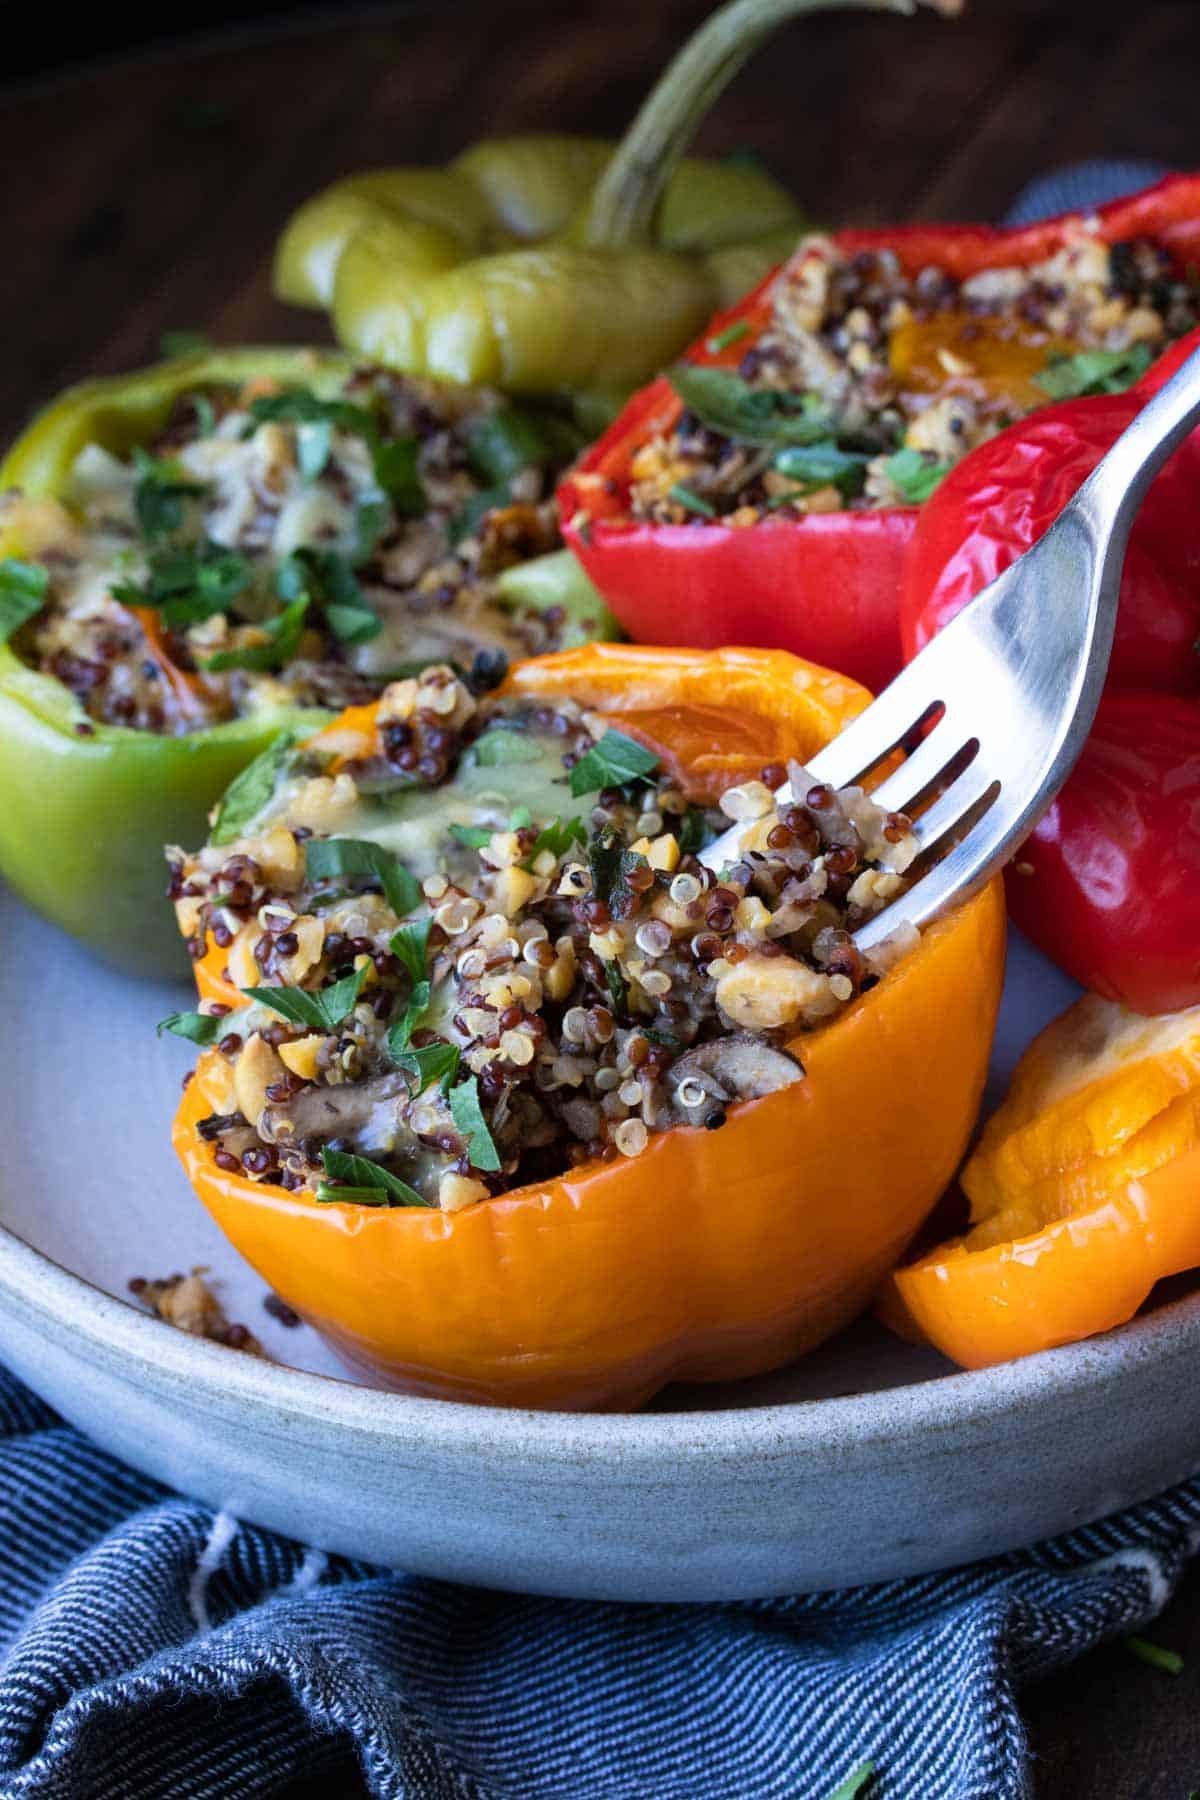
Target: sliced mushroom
x=346, y=1111
x=712, y=1076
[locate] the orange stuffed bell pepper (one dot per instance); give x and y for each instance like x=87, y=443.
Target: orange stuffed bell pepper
x=1084, y=1190
x=513, y=1099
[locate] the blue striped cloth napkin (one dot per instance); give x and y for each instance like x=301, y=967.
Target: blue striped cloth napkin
x=152, y=1648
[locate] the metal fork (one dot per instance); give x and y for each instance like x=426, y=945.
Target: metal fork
x=1016, y=678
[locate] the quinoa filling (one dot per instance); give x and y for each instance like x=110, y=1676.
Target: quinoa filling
x=869, y=383
x=280, y=546
x=480, y=950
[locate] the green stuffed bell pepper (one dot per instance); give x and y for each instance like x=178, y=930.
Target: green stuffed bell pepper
x=551, y=263
x=203, y=555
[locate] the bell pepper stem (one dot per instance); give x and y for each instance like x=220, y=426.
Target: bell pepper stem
x=621, y=211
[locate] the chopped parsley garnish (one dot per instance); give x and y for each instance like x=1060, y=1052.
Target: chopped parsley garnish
x=691, y=833
x=399, y=1037
x=396, y=471
x=23, y=587
x=1168, y=1662
x=188, y=582
x=504, y=443
x=469, y=518
x=432, y=1062
x=329, y=579
x=323, y=1011
x=250, y=791
x=732, y=334
x=371, y=521
x=610, y=864
x=503, y=745
x=520, y=818
x=472, y=837
x=855, y=1783
x=394, y=460
x=332, y=858
x=410, y=946
x=690, y=501
x=467, y=1114
x=558, y=836
x=612, y=762
x=766, y=416
x=160, y=493
x=313, y=444
x=1093, y=372
x=915, y=474
x=198, y=1028
x=283, y=635
x=823, y=465
x=618, y=991
x=367, y=1183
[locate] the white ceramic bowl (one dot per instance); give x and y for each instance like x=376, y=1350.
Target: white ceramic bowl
x=867, y=1460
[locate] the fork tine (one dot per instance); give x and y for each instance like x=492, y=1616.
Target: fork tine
x=899, y=710
x=933, y=756
x=959, y=801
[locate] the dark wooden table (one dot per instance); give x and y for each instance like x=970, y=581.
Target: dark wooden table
x=143, y=195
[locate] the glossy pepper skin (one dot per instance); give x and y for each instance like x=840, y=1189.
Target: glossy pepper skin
x=827, y=586
x=539, y=264
x=1085, y=1191
x=713, y=1255
x=87, y=807
x=1108, y=882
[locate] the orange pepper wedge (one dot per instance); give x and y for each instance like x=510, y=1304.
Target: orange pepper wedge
x=714, y=1254
x=1085, y=1191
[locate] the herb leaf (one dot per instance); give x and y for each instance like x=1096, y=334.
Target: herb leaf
x=330, y=580
x=610, y=864
x=765, y=416
x=558, y=836
x=399, y=1037
x=467, y=1114
x=313, y=444
x=732, y=334
x=473, y=837
x=323, y=1011
x=824, y=465
x=1093, y=372
x=612, y=762
x=282, y=642
x=198, y=1028
x=396, y=471
x=692, y=831
x=501, y=746
x=23, y=588
x=504, y=443
x=329, y=857
x=432, y=1062
x=467, y=521
x=188, y=583
x=854, y=1783
x=690, y=501
x=915, y=474
x=160, y=493
x=365, y=1177
x=410, y=945
x=250, y=791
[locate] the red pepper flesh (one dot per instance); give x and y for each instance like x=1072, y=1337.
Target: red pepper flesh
x=1109, y=882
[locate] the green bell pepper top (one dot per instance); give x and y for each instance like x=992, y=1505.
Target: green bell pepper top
x=88, y=805
x=547, y=262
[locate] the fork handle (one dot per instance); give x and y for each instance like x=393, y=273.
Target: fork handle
x=1109, y=499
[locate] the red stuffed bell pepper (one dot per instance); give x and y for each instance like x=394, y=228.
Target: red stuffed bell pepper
x=1109, y=882
x=768, y=489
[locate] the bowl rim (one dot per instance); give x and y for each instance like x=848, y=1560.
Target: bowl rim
x=86, y=1320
